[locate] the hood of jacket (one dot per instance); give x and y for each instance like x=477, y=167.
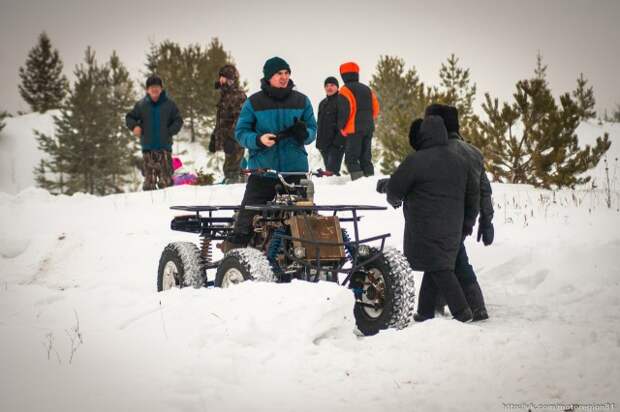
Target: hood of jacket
x=432, y=133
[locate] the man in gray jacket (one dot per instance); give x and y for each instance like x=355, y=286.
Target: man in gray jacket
x=155, y=119
x=463, y=269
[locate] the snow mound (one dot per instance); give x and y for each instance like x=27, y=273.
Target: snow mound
x=83, y=328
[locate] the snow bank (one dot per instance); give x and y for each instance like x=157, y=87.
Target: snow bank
x=83, y=328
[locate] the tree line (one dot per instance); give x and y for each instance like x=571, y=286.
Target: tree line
x=531, y=140
x=90, y=150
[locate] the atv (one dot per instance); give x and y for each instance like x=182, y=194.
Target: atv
x=293, y=238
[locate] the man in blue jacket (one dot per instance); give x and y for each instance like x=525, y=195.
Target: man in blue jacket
x=274, y=125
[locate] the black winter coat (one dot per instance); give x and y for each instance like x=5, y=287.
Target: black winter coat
x=433, y=183
x=327, y=132
x=159, y=122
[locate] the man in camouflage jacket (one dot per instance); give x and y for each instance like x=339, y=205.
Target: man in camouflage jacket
x=228, y=109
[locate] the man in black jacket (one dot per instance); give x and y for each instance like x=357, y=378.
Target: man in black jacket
x=463, y=269
x=155, y=119
x=329, y=141
x=432, y=183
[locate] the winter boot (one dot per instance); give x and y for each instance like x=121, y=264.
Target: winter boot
x=227, y=245
x=420, y=318
x=235, y=241
x=474, y=297
x=464, y=316
x=356, y=175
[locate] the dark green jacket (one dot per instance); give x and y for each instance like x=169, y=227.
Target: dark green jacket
x=159, y=122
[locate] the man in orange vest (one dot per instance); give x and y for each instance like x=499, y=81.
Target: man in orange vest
x=358, y=109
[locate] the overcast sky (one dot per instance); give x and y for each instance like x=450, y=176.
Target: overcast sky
x=497, y=40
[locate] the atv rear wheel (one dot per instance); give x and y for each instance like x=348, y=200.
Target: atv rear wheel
x=240, y=265
x=387, y=297
x=180, y=265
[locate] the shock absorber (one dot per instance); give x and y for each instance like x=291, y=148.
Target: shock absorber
x=205, y=250
x=348, y=248
x=274, y=248
x=354, y=284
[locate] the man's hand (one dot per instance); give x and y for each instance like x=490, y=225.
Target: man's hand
x=395, y=203
x=137, y=131
x=297, y=131
x=486, y=232
x=382, y=185
x=268, y=139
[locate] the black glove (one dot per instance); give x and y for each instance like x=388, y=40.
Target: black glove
x=486, y=232
x=395, y=203
x=382, y=185
x=230, y=146
x=212, y=143
x=297, y=131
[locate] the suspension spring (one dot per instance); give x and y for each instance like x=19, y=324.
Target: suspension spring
x=348, y=248
x=274, y=248
x=205, y=251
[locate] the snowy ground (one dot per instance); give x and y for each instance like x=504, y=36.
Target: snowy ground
x=82, y=327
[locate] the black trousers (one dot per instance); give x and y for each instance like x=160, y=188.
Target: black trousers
x=258, y=191
x=463, y=269
x=358, y=153
x=332, y=158
x=446, y=283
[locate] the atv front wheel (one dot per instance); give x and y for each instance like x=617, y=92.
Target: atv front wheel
x=240, y=265
x=385, y=293
x=180, y=265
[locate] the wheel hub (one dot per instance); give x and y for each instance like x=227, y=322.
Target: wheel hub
x=232, y=277
x=374, y=293
x=170, y=276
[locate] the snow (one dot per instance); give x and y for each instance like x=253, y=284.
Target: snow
x=19, y=153
x=84, y=267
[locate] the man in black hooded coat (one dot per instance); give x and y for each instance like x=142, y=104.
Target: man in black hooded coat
x=463, y=269
x=432, y=183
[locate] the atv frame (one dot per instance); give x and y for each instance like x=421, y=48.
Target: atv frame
x=293, y=238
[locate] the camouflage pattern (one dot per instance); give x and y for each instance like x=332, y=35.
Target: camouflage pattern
x=232, y=166
x=157, y=169
x=228, y=109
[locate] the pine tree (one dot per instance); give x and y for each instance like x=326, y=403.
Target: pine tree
x=403, y=97
x=120, y=154
x=584, y=98
x=540, y=72
x=615, y=117
x=456, y=90
x=43, y=86
x=89, y=150
x=533, y=140
x=3, y=115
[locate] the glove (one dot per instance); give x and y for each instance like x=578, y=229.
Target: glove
x=382, y=185
x=395, y=203
x=212, y=143
x=298, y=131
x=486, y=232
x=230, y=146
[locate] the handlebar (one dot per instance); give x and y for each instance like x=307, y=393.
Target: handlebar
x=281, y=175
